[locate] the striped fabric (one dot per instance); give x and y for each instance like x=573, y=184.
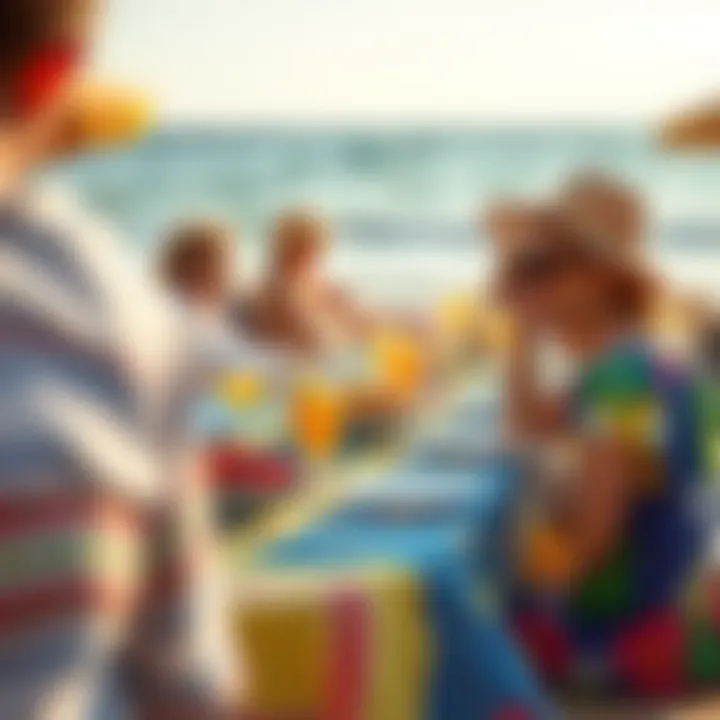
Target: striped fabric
x=102, y=531
x=334, y=645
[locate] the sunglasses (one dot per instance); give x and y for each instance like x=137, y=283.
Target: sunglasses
x=43, y=76
x=538, y=267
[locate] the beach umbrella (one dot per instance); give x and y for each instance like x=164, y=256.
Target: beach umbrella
x=697, y=128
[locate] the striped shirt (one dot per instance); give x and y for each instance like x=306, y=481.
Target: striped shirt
x=102, y=525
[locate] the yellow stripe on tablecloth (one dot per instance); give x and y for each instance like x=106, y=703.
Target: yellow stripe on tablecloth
x=282, y=616
x=284, y=626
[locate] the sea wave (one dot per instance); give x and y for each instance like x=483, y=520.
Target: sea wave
x=397, y=187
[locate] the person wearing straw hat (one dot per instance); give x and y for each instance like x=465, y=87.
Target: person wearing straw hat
x=102, y=610
x=609, y=554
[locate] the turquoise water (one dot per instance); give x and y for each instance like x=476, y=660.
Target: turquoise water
x=403, y=202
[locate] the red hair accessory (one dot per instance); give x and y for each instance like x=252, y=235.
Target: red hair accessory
x=42, y=76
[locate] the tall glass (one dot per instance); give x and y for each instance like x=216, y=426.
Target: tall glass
x=458, y=314
x=317, y=418
x=401, y=364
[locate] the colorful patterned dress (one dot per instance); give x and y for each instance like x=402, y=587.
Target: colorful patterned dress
x=646, y=621
x=708, y=392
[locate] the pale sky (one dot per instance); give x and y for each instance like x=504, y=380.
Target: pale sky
x=416, y=60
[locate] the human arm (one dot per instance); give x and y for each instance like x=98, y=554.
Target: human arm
x=615, y=459
x=531, y=414
x=179, y=665
x=582, y=520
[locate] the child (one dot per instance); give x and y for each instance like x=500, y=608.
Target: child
x=198, y=265
x=611, y=558
x=95, y=475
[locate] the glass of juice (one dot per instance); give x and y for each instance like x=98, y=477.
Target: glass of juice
x=241, y=390
x=498, y=332
x=400, y=363
x=317, y=418
x=457, y=315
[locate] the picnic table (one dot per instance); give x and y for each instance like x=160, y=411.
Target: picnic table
x=381, y=597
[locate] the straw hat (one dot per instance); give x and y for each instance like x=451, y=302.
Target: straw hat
x=605, y=208
x=552, y=240
x=510, y=226
x=103, y=116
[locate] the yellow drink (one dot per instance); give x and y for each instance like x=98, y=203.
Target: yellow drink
x=241, y=389
x=458, y=315
x=318, y=414
x=498, y=332
x=401, y=364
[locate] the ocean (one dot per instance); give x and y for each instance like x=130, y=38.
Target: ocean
x=404, y=203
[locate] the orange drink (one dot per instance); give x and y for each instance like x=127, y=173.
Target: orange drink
x=548, y=557
x=318, y=411
x=400, y=363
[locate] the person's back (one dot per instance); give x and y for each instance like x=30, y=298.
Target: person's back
x=94, y=490
x=80, y=432
x=612, y=541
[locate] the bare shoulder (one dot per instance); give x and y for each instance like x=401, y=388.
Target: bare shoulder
x=335, y=292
